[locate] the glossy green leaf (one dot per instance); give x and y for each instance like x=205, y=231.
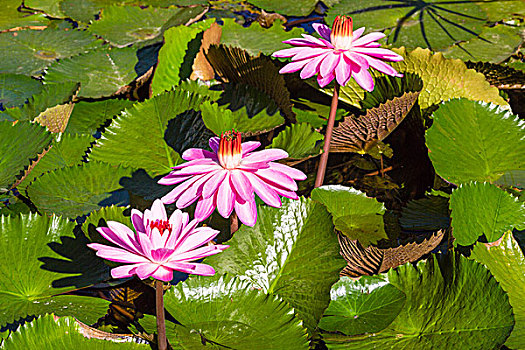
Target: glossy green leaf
x=87, y=117
x=287, y=7
x=498, y=10
x=484, y=141
x=49, y=7
x=100, y=72
x=126, y=25
x=40, y=257
x=12, y=18
x=442, y=307
x=100, y=217
x=219, y=119
x=19, y=143
x=299, y=140
x=226, y=313
x=62, y=334
x=285, y=253
x=30, y=51
x=425, y=214
x=256, y=39
x=354, y=214
x=171, y=57
x=506, y=262
x=76, y=190
x=482, y=208
x=136, y=137
x=15, y=89
x=367, y=305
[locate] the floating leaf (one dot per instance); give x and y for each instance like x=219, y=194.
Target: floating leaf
x=284, y=254
x=256, y=39
x=100, y=217
x=361, y=134
x=126, y=25
x=171, y=57
x=367, y=305
x=287, y=7
x=100, y=72
x=219, y=119
x=425, y=214
x=63, y=334
x=76, y=190
x=498, y=10
x=354, y=214
x=373, y=260
x=484, y=141
x=441, y=308
x=482, y=208
x=506, y=262
x=30, y=51
x=49, y=7
x=12, y=18
x=225, y=312
x=299, y=140
x=87, y=117
x=19, y=143
x=29, y=288
x=15, y=89
x=136, y=137
x=187, y=131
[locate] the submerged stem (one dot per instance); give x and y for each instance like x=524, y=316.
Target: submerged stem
x=161, y=323
x=327, y=138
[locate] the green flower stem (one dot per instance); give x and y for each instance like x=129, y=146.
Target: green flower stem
x=321, y=169
x=161, y=322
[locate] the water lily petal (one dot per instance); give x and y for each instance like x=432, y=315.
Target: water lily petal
x=214, y=143
x=158, y=211
x=204, y=208
x=145, y=243
x=310, y=53
x=200, y=161
x=197, y=153
x=173, y=179
x=194, y=192
x=225, y=198
x=383, y=54
x=246, y=211
x=329, y=63
x=202, y=235
x=343, y=71
x=303, y=42
x=193, y=268
x=211, y=186
x=241, y=184
x=265, y=192
x=163, y=274
x=137, y=220
x=293, y=66
x=116, y=254
x=381, y=66
x=266, y=155
x=120, y=235
x=198, y=169
x=364, y=79
x=295, y=174
x=173, y=195
x=249, y=146
x=358, y=59
x=201, y=252
x=272, y=176
x=124, y=271
x=144, y=271
x=323, y=30
x=287, y=52
x=368, y=38
x=358, y=32
x=285, y=193
x=323, y=81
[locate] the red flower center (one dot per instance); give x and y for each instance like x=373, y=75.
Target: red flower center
x=230, y=150
x=342, y=33
x=161, y=225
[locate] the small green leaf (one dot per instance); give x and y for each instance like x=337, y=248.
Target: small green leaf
x=76, y=190
x=354, y=214
x=484, y=141
x=367, y=305
x=482, y=208
x=100, y=72
x=506, y=262
x=87, y=117
x=15, y=89
x=285, y=253
x=299, y=140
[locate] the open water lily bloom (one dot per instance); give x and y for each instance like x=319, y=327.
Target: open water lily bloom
x=229, y=177
x=339, y=53
x=158, y=246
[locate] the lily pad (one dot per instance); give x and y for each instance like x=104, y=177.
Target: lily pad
x=284, y=254
x=506, y=262
x=482, y=208
x=12, y=18
x=354, y=214
x=15, y=89
x=425, y=214
x=87, y=117
x=299, y=140
x=76, y=190
x=367, y=305
x=136, y=137
x=100, y=72
x=30, y=51
x=287, y=7
x=484, y=141
x=49, y=7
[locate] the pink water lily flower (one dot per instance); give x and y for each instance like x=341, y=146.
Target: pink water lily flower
x=228, y=177
x=158, y=246
x=340, y=53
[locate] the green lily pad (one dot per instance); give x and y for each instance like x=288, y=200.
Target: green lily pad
x=126, y=25
x=256, y=39
x=224, y=312
x=367, y=305
x=484, y=141
x=19, y=143
x=503, y=41
x=482, y=208
x=29, y=288
x=62, y=334
x=136, y=137
x=441, y=308
x=30, y=51
x=354, y=214
x=49, y=7
x=425, y=214
x=299, y=140
x=287, y=7
x=428, y=24
x=284, y=254
x=12, y=18
x=100, y=217
x=87, y=117
x=498, y=10
x=506, y=262
x=15, y=89
x=76, y=190
x=100, y=72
